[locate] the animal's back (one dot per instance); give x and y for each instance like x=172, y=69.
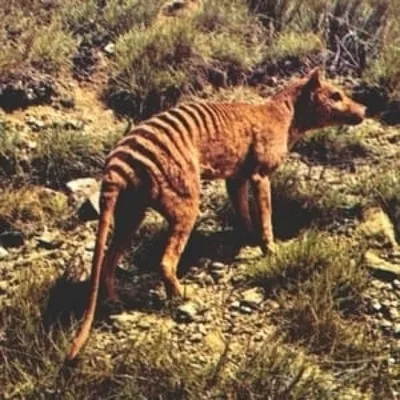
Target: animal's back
x=186, y=142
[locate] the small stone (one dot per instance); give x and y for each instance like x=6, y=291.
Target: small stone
x=206, y=280
x=3, y=253
x=259, y=337
x=48, y=241
x=90, y=246
x=378, y=227
x=217, y=275
x=380, y=266
x=187, y=312
x=376, y=305
x=395, y=255
x=4, y=287
x=272, y=304
x=144, y=324
x=109, y=49
x=394, y=314
x=396, y=329
x=246, y=310
x=385, y=325
x=248, y=253
x=217, y=266
x=235, y=305
x=196, y=337
x=252, y=298
x=82, y=187
x=396, y=284
x=377, y=284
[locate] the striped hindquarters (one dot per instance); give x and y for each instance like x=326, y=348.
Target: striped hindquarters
x=168, y=145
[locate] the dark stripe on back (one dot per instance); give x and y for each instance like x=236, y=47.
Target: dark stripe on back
x=204, y=116
x=213, y=115
x=224, y=111
x=160, y=125
x=120, y=171
x=182, y=118
x=151, y=136
x=170, y=120
x=195, y=116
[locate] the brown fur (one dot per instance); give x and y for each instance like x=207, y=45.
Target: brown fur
x=160, y=163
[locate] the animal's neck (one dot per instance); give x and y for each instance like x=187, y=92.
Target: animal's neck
x=288, y=98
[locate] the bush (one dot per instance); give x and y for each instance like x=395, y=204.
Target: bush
x=33, y=36
x=32, y=209
x=154, y=59
x=52, y=48
x=59, y=155
x=385, y=70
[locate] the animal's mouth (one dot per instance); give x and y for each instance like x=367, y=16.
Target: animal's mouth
x=354, y=119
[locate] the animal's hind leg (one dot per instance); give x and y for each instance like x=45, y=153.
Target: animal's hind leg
x=181, y=225
x=239, y=196
x=129, y=214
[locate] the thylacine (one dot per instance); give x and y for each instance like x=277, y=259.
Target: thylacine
x=160, y=163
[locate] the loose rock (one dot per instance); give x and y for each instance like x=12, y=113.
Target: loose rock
x=381, y=266
x=3, y=253
x=252, y=298
x=187, y=312
x=378, y=228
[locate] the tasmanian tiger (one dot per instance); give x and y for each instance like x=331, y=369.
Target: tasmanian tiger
x=160, y=163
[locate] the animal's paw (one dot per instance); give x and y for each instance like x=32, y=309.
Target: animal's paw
x=268, y=248
x=112, y=306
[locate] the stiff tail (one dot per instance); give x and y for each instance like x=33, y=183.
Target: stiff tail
x=108, y=202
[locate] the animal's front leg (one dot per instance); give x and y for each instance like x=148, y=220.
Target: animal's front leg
x=262, y=193
x=237, y=189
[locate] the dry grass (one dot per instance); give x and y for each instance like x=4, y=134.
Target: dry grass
x=319, y=281
x=32, y=209
x=59, y=155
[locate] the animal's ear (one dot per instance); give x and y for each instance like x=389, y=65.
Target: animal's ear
x=312, y=83
x=314, y=79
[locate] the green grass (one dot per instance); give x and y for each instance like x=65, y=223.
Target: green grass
x=33, y=37
x=59, y=155
x=32, y=361
x=333, y=145
x=32, y=209
x=382, y=188
x=294, y=44
x=154, y=59
x=319, y=282
x=385, y=69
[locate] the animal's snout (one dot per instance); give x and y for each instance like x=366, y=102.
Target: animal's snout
x=357, y=113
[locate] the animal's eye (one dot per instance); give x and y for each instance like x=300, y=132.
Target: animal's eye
x=336, y=96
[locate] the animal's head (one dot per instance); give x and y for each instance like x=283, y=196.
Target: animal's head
x=321, y=104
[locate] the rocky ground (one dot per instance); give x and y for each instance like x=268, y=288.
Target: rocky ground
x=225, y=311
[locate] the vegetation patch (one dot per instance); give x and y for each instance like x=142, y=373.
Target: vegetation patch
x=300, y=202
x=31, y=208
x=32, y=362
x=335, y=146
x=56, y=156
x=383, y=188
x=319, y=281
